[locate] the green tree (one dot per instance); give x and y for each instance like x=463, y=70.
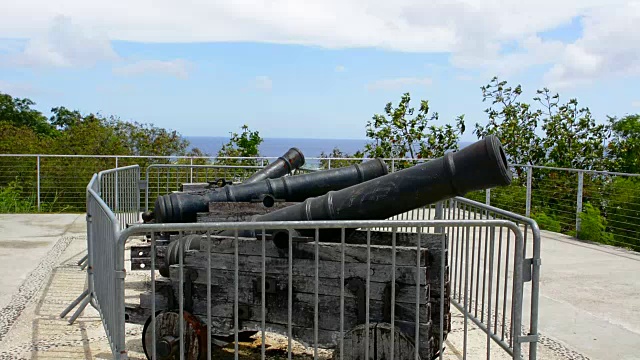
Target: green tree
x=18, y=112
x=513, y=122
x=403, y=132
x=338, y=163
x=624, y=146
x=245, y=144
x=572, y=139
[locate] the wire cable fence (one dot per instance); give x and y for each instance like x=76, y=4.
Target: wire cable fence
x=590, y=205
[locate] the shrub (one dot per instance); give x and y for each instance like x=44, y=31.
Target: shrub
x=593, y=226
x=547, y=222
x=12, y=199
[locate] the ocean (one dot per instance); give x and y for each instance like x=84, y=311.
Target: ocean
x=274, y=147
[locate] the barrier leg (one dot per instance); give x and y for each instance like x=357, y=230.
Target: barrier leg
x=74, y=303
x=83, y=260
x=83, y=305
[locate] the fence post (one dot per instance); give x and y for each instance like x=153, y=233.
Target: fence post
x=528, y=201
x=329, y=163
x=393, y=165
x=439, y=215
x=487, y=198
x=38, y=180
x=191, y=170
x=579, y=201
x=115, y=195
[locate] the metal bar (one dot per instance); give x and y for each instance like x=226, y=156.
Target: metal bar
x=528, y=200
x=487, y=197
x=290, y=296
x=579, y=203
x=516, y=315
x=473, y=259
x=316, y=306
x=443, y=244
x=116, y=193
x=38, y=180
x=506, y=270
x=367, y=290
x=342, y=277
x=495, y=322
x=393, y=290
x=191, y=170
x=236, y=281
x=492, y=248
x=466, y=284
x=181, y=293
x=417, y=330
x=483, y=327
x=153, y=295
x=209, y=295
x=264, y=293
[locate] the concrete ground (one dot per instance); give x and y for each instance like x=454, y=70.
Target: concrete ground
x=25, y=240
x=589, y=300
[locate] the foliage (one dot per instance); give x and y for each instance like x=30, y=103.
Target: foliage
x=513, y=122
x=572, y=137
x=623, y=210
x=546, y=221
x=624, y=146
x=245, y=144
x=325, y=163
x=14, y=199
x=400, y=134
x=18, y=112
x=593, y=226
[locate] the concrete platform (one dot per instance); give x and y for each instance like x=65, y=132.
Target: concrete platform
x=589, y=302
x=25, y=240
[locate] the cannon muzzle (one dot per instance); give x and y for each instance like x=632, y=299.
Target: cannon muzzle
x=285, y=164
x=183, y=207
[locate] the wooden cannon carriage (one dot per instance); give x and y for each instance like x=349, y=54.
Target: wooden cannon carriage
x=360, y=192
x=409, y=279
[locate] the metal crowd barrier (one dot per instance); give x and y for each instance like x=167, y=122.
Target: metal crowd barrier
x=478, y=241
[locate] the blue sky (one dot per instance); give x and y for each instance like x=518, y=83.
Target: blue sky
x=296, y=73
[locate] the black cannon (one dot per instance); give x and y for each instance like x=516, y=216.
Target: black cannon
x=210, y=261
x=479, y=166
x=285, y=164
x=184, y=207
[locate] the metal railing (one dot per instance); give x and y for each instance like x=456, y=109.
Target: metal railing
x=464, y=222
x=570, y=201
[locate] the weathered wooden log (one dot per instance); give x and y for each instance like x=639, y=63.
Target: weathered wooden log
x=379, y=344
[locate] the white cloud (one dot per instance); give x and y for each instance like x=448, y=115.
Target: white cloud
x=340, y=68
x=64, y=44
x=609, y=47
x=263, y=83
x=464, y=77
x=476, y=34
x=636, y=103
x=398, y=83
x=178, y=68
x=408, y=25
x=16, y=89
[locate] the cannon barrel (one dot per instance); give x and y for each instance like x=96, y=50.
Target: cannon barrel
x=285, y=164
x=478, y=166
x=183, y=207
